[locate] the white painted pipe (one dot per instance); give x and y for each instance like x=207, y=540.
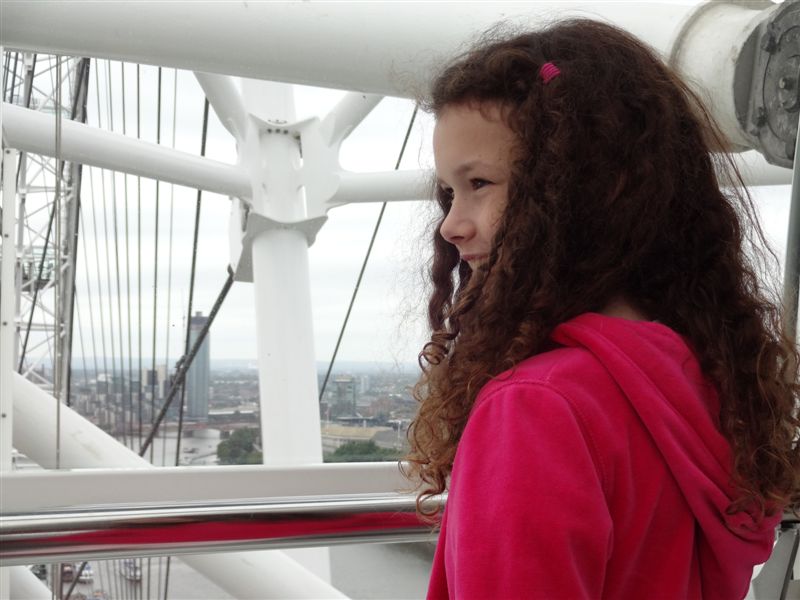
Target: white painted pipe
x=225, y=98
x=257, y=575
x=393, y=186
x=382, y=186
x=387, y=48
x=82, y=443
x=706, y=50
x=26, y=586
x=32, y=489
x=346, y=116
x=33, y=131
x=290, y=427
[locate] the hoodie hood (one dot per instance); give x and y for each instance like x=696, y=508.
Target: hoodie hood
x=661, y=378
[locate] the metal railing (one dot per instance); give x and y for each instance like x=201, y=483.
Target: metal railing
x=113, y=531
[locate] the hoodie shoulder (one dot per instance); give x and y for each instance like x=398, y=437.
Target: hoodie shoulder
x=625, y=405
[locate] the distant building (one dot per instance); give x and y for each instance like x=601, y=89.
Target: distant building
x=198, y=379
x=363, y=384
x=154, y=382
x=344, y=396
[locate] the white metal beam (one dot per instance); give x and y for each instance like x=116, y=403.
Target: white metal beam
x=384, y=186
x=387, y=48
x=226, y=101
x=31, y=490
x=346, y=116
x=33, y=131
x=26, y=586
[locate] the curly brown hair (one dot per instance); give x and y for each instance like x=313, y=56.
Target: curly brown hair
x=615, y=193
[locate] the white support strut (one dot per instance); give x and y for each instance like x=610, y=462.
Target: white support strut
x=379, y=47
x=226, y=100
x=346, y=116
x=33, y=131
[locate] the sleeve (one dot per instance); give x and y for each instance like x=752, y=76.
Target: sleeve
x=526, y=514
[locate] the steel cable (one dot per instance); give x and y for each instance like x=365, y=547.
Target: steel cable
x=364, y=263
x=169, y=252
x=139, y=248
x=186, y=362
x=116, y=258
x=96, y=238
x=155, y=271
x=78, y=113
x=198, y=204
x=107, y=260
x=89, y=295
x=80, y=341
x=129, y=406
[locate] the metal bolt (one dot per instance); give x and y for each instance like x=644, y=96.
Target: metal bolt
x=786, y=83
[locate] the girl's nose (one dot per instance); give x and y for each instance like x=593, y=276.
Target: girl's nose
x=457, y=227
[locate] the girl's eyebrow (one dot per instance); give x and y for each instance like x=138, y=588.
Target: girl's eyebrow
x=466, y=168
x=469, y=166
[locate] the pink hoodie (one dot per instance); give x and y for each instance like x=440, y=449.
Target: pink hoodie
x=597, y=470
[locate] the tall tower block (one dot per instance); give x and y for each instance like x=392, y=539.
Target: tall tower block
x=198, y=378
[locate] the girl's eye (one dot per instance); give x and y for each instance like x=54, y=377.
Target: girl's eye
x=446, y=192
x=478, y=183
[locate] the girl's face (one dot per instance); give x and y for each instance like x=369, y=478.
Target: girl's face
x=472, y=147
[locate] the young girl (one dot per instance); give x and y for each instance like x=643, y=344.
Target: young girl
x=606, y=395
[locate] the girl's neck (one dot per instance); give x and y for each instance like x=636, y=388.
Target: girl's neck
x=621, y=308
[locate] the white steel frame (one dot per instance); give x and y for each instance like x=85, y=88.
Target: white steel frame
x=48, y=338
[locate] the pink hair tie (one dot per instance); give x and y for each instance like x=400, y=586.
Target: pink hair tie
x=548, y=72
